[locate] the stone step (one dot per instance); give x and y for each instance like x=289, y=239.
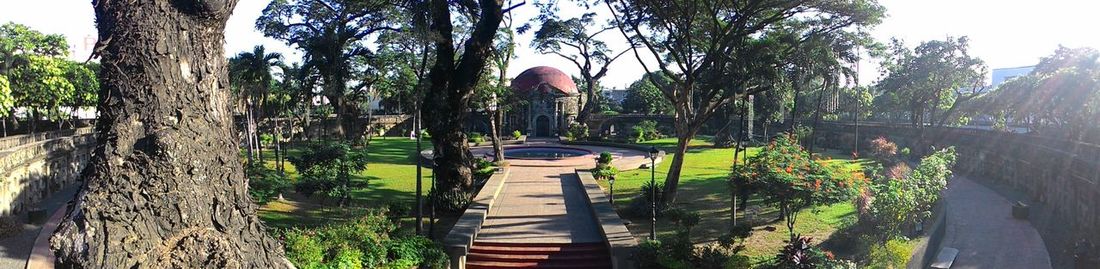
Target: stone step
x=504, y=265
x=563, y=257
x=546, y=249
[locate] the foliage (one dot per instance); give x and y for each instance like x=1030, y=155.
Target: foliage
x=799, y=253
x=577, y=40
x=264, y=184
x=677, y=250
x=477, y=138
x=577, y=131
x=898, y=202
x=325, y=167
x=643, y=96
x=788, y=177
x=882, y=150
x=41, y=85
x=7, y=102
x=641, y=204
x=604, y=171
x=646, y=130
x=450, y=201
x=929, y=83
x=367, y=242
x=892, y=255
x=517, y=134
x=1061, y=94
x=85, y=84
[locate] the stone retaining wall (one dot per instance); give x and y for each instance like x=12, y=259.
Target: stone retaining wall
x=1060, y=175
x=40, y=165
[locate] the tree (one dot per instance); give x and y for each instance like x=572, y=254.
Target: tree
x=452, y=79
x=932, y=81
x=41, y=86
x=495, y=97
x=717, y=51
x=6, y=101
x=643, y=96
x=791, y=179
x=85, y=85
x=251, y=74
x=577, y=40
x=17, y=44
x=1062, y=94
x=165, y=188
x=334, y=35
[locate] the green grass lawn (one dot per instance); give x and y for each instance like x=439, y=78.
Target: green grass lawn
x=703, y=189
x=390, y=178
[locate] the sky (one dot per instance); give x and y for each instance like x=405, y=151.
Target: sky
x=1004, y=33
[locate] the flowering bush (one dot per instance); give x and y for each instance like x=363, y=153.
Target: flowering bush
x=790, y=179
x=883, y=151
x=898, y=202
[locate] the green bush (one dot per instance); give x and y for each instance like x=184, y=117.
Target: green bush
x=265, y=184
x=367, y=242
x=266, y=139
x=477, y=138
x=640, y=206
x=895, y=254
x=645, y=131
x=902, y=202
x=450, y=202
x=604, y=158
x=577, y=131
x=516, y=134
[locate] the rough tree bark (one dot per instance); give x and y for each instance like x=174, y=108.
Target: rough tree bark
x=165, y=186
x=452, y=85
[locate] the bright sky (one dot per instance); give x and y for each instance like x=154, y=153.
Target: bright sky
x=1004, y=33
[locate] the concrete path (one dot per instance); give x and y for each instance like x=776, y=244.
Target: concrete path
x=541, y=205
x=980, y=225
x=15, y=250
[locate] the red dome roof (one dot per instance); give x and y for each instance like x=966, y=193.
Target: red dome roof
x=532, y=78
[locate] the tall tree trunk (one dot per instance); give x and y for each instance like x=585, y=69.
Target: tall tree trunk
x=165, y=187
x=452, y=85
x=672, y=178
x=248, y=135
x=494, y=126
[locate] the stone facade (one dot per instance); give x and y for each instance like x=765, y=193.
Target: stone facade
x=552, y=102
x=40, y=165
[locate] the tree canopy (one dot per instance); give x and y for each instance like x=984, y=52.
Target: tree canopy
x=1062, y=93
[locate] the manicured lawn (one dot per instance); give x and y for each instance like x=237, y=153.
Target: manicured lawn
x=390, y=178
x=703, y=189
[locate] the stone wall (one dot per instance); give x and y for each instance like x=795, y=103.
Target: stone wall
x=1061, y=176
x=32, y=167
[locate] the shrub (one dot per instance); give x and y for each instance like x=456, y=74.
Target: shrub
x=893, y=255
x=450, y=202
x=604, y=169
x=646, y=130
x=883, y=151
x=900, y=202
x=640, y=205
x=477, y=138
x=264, y=184
x=801, y=253
x=790, y=179
x=367, y=242
x=516, y=134
x=678, y=251
x=326, y=168
x=266, y=139
x=577, y=131
x=897, y=171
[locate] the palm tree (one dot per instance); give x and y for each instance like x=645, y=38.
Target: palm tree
x=250, y=72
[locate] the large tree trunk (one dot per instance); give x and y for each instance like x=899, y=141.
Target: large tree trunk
x=672, y=179
x=165, y=186
x=494, y=124
x=452, y=86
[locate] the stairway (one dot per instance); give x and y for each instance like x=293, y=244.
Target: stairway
x=494, y=255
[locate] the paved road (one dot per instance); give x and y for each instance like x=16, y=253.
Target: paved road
x=540, y=205
x=980, y=225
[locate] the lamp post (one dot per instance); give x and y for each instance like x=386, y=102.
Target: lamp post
x=653, y=193
x=612, y=182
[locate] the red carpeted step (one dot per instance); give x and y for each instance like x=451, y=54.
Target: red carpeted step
x=515, y=248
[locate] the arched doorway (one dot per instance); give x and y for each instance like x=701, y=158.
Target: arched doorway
x=542, y=126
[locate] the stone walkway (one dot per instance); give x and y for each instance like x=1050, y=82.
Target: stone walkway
x=15, y=250
x=980, y=225
x=541, y=205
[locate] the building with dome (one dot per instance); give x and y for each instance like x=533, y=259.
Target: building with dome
x=552, y=102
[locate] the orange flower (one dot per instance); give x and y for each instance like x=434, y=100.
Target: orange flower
x=789, y=169
x=829, y=254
